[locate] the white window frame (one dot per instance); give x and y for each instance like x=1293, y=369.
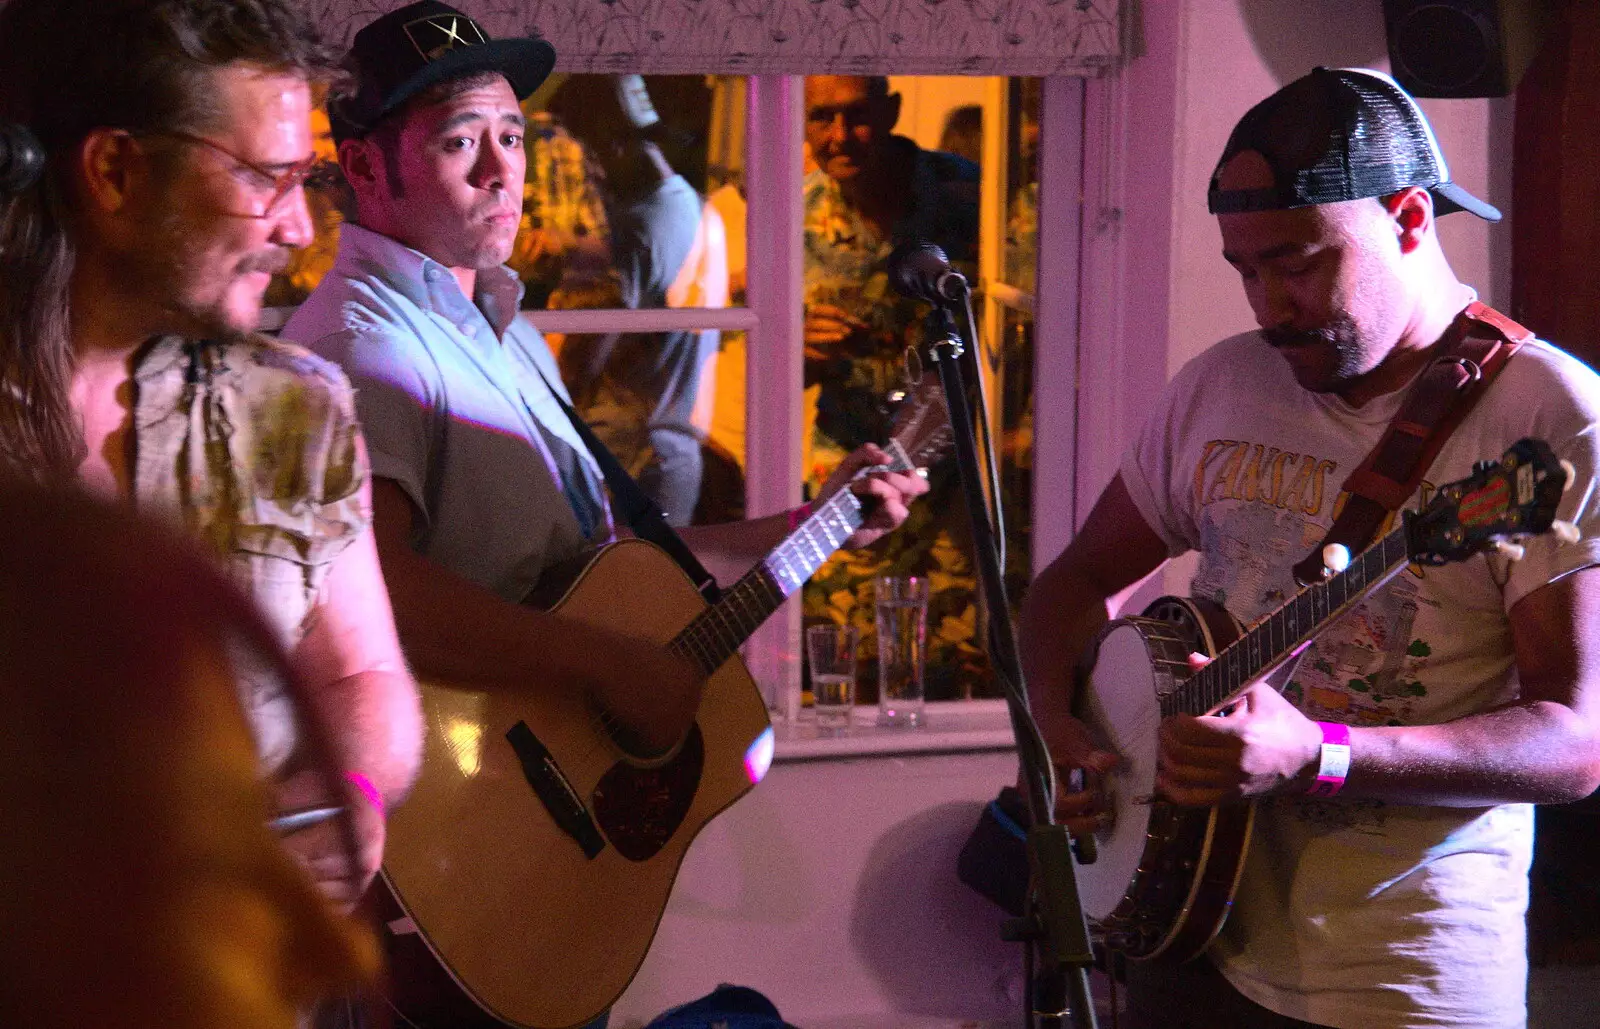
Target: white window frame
x=774, y=325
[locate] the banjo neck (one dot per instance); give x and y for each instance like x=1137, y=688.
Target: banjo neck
x=1284, y=634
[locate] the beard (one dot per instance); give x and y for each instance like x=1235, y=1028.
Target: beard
x=1326, y=359
x=494, y=247
x=189, y=283
x=196, y=294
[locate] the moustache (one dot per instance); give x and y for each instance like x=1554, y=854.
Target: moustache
x=272, y=262
x=1280, y=338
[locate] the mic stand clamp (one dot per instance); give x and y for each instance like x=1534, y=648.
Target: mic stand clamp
x=1054, y=923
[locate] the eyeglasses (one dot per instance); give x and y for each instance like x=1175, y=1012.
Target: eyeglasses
x=281, y=183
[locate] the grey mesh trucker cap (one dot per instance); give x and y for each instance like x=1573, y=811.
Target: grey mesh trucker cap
x=1340, y=134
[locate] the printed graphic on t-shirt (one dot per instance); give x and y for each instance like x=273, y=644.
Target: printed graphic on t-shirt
x=1257, y=473
x=1261, y=510
x=1365, y=816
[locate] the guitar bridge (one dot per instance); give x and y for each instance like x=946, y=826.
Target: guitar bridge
x=555, y=790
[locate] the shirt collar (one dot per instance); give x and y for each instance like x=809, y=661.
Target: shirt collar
x=160, y=355
x=424, y=281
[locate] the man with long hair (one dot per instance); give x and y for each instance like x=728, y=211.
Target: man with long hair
x=175, y=136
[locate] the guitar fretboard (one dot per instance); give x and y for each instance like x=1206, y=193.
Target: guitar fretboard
x=721, y=629
x=1289, y=629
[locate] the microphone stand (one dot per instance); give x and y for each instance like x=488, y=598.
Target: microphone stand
x=1054, y=923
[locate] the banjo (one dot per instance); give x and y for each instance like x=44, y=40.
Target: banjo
x=1165, y=876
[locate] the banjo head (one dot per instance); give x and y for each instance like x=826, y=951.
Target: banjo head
x=1136, y=661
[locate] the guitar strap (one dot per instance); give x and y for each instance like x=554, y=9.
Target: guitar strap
x=1475, y=347
x=641, y=514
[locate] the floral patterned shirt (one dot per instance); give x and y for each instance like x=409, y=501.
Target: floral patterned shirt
x=846, y=267
x=253, y=447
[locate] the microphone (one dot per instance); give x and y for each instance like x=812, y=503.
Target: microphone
x=922, y=272
x=21, y=158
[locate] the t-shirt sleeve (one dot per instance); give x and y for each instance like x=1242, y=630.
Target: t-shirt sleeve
x=1148, y=468
x=1568, y=424
x=397, y=403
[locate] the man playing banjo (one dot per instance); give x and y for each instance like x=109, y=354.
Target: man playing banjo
x=1467, y=693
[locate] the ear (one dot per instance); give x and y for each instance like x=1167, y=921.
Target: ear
x=891, y=111
x=362, y=165
x=109, y=164
x=1412, y=213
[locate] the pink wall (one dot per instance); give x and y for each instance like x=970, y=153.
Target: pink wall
x=832, y=889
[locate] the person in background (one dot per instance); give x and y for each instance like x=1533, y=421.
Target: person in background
x=962, y=134
x=668, y=249
x=870, y=191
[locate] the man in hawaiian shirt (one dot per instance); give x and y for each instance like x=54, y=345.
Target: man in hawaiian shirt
x=871, y=190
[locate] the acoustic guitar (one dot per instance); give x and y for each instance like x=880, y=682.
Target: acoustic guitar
x=525, y=875
x=1165, y=875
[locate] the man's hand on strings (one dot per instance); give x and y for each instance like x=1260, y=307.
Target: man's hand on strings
x=1259, y=743
x=1081, y=807
x=885, y=495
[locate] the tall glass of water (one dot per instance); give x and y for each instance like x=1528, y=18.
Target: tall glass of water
x=831, y=651
x=902, y=606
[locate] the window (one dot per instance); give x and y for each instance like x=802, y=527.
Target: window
x=716, y=333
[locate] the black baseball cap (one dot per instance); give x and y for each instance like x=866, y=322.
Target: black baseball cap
x=1340, y=134
x=420, y=45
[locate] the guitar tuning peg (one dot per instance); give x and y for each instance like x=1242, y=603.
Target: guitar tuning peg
x=1566, y=532
x=1508, y=550
x=1572, y=473
x=1335, y=559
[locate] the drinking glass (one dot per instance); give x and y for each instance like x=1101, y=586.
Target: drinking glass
x=832, y=652
x=902, y=610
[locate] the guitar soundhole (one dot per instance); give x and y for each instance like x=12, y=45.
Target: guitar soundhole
x=640, y=808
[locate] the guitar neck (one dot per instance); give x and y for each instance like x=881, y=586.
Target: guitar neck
x=1284, y=634
x=721, y=629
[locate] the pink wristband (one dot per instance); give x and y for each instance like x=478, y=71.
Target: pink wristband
x=368, y=790
x=1335, y=759
x=798, y=515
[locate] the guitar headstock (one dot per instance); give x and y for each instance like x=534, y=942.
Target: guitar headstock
x=921, y=428
x=1495, y=508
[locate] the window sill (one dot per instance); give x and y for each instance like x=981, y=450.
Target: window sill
x=953, y=727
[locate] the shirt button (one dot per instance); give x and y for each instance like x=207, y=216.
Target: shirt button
x=432, y=274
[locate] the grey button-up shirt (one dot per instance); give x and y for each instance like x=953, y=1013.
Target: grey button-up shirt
x=455, y=411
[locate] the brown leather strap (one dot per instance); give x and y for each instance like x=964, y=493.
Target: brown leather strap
x=1474, y=349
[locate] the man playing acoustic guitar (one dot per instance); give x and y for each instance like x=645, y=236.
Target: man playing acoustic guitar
x=480, y=481
x=1395, y=895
